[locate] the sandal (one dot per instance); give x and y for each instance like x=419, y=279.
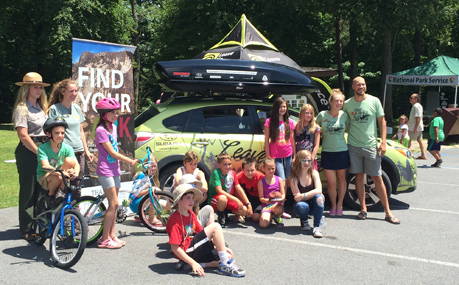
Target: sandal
x=362, y=215
x=392, y=220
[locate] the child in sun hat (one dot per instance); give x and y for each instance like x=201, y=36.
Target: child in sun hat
x=191, y=243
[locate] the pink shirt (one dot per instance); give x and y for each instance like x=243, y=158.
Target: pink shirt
x=106, y=165
x=282, y=147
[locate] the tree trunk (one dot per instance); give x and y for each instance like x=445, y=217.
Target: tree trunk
x=387, y=69
x=417, y=47
x=339, y=51
x=135, y=35
x=353, y=52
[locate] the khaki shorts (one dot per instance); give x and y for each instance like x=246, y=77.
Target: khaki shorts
x=365, y=160
x=416, y=136
x=43, y=181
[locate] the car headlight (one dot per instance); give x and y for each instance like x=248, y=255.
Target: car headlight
x=406, y=152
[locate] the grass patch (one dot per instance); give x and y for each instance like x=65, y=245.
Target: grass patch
x=9, y=178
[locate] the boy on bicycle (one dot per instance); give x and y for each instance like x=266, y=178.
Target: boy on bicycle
x=55, y=153
x=198, y=247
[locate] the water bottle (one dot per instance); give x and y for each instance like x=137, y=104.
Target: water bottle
x=323, y=225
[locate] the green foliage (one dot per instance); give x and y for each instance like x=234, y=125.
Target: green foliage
x=9, y=179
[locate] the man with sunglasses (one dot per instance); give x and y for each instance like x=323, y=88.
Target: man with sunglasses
x=365, y=113
x=416, y=126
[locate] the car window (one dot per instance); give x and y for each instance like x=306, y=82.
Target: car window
x=226, y=119
x=145, y=116
x=176, y=122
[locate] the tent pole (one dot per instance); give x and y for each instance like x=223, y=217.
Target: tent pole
x=384, y=100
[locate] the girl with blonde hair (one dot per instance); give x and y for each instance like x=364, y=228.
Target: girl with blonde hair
x=307, y=132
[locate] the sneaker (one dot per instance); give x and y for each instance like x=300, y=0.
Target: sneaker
x=239, y=219
x=137, y=218
x=439, y=162
x=305, y=225
x=332, y=212
x=59, y=196
x=339, y=213
x=435, y=164
x=108, y=243
x=117, y=240
x=317, y=233
x=221, y=217
x=182, y=265
x=230, y=269
x=286, y=215
x=278, y=221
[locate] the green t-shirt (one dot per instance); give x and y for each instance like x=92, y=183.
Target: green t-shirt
x=333, y=130
x=437, y=122
x=74, y=118
x=363, y=117
x=45, y=152
x=225, y=181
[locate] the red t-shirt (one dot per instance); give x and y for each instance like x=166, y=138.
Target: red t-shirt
x=181, y=229
x=250, y=186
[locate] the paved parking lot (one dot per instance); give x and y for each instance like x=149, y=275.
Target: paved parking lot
x=423, y=249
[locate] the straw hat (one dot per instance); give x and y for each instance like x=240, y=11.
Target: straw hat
x=183, y=189
x=32, y=78
x=189, y=179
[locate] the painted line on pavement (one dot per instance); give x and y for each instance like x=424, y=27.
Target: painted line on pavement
x=436, y=211
x=350, y=249
x=433, y=183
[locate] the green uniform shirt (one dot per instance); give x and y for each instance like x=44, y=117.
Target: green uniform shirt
x=363, y=116
x=437, y=122
x=333, y=130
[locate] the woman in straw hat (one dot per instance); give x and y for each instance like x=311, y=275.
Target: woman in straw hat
x=61, y=103
x=29, y=115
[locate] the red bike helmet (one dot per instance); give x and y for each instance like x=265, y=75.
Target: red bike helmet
x=107, y=104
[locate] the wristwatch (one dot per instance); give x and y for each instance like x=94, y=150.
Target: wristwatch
x=248, y=204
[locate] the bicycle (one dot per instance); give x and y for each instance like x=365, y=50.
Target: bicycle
x=63, y=225
x=93, y=209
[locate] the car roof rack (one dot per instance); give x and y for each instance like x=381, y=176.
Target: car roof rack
x=178, y=98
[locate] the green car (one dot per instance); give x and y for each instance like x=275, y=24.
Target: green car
x=211, y=125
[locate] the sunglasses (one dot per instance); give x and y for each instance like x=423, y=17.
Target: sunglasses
x=304, y=161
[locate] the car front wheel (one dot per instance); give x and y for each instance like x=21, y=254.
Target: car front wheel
x=371, y=198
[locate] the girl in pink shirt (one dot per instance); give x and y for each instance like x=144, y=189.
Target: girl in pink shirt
x=108, y=167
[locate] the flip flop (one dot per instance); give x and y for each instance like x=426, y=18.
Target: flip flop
x=392, y=220
x=420, y=157
x=362, y=215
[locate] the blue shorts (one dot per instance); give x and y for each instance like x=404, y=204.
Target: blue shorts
x=432, y=145
x=335, y=160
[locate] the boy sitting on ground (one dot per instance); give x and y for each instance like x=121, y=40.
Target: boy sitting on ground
x=193, y=245
x=248, y=180
x=223, y=185
x=55, y=153
x=190, y=166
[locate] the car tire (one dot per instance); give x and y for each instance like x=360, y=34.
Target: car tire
x=372, y=201
x=166, y=177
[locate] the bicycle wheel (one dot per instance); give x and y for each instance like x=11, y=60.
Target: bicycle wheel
x=67, y=248
x=41, y=222
x=148, y=215
x=94, y=215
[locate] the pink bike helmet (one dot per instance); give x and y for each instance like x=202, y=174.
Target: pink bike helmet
x=107, y=104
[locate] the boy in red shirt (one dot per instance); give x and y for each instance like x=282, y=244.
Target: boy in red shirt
x=198, y=247
x=248, y=180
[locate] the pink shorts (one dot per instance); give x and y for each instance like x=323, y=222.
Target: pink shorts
x=232, y=206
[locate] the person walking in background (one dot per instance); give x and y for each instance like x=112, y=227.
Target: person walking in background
x=402, y=133
x=307, y=132
x=29, y=115
x=416, y=125
x=436, y=136
x=61, y=104
x=365, y=111
x=335, y=154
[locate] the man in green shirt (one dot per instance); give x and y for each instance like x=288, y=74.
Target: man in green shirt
x=436, y=136
x=365, y=113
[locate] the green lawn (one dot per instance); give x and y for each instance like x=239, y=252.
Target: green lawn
x=9, y=181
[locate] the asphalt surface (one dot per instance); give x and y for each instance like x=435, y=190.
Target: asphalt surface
x=423, y=249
